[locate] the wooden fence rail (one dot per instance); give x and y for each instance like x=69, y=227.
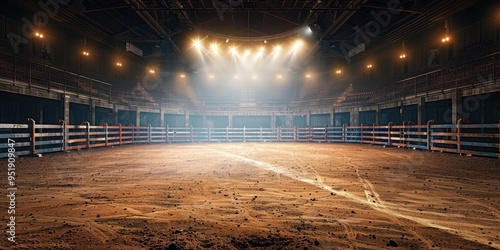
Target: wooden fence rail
x=460, y=138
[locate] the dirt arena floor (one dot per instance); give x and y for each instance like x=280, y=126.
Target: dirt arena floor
x=255, y=196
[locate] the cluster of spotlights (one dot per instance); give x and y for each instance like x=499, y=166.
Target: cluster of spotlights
x=86, y=53
x=338, y=72
x=39, y=35
x=402, y=56
x=253, y=77
x=369, y=66
x=445, y=39
x=215, y=48
x=119, y=64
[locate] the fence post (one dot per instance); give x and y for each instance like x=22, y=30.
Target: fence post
x=429, y=135
x=227, y=133
x=149, y=133
x=326, y=133
x=64, y=133
x=295, y=133
x=167, y=133
x=402, y=134
x=260, y=134
x=361, y=134
x=31, y=128
x=87, y=134
x=209, y=134
x=373, y=133
x=344, y=132
x=133, y=133
x=192, y=136
x=120, y=132
x=389, y=128
x=459, y=130
x=105, y=134
x=279, y=133
x=244, y=134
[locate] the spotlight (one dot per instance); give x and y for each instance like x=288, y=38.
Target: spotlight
x=254, y=77
x=445, y=39
x=119, y=64
x=183, y=76
x=369, y=66
x=338, y=72
x=39, y=35
x=277, y=49
x=151, y=71
x=227, y=40
x=214, y=47
x=85, y=53
x=265, y=41
x=308, y=31
x=297, y=44
x=236, y=77
x=233, y=50
x=402, y=56
x=247, y=52
x=279, y=76
x=211, y=77
x=197, y=44
x=308, y=76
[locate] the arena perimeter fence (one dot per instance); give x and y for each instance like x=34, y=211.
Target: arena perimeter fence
x=34, y=139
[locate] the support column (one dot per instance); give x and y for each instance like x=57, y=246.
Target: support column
x=162, y=116
x=289, y=121
x=456, y=106
x=66, y=108
x=332, y=121
x=92, y=112
x=186, y=118
x=308, y=118
x=230, y=120
x=204, y=120
x=377, y=115
x=421, y=111
x=137, y=117
x=273, y=120
x=115, y=114
x=354, y=117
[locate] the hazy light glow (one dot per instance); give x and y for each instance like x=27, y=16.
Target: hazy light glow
x=248, y=63
x=197, y=44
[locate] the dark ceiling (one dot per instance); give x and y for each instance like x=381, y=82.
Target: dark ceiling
x=153, y=24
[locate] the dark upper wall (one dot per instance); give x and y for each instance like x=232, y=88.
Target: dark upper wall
x=63, y=46
x=471, y=30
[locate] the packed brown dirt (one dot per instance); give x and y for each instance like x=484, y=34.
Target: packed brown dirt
x=255, y=196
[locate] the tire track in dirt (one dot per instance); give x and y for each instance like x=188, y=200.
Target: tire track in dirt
x=471, y=236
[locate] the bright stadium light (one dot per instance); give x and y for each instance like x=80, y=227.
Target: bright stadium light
x=297, y=44
x=233, y=50
x=197, y=44
x=277, y=49
x=214, y=47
